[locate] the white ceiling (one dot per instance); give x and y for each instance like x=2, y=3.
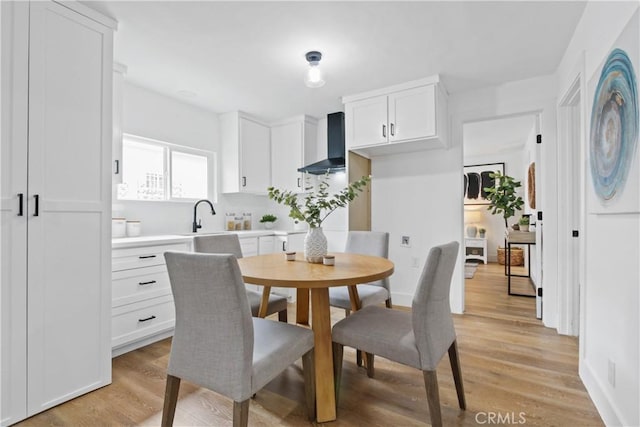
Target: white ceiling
x=250, y=55
x=498, y=135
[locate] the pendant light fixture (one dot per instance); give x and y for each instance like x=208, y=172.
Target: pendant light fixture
x=313, y=77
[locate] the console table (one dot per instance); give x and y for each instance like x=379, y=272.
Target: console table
x=518, y=238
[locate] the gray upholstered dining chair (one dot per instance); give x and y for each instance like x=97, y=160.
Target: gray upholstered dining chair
x=230, y=244
x=366, y=243
x=218, y=345
x=419, y=338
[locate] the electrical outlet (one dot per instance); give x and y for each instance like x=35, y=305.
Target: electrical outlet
x=612, y=373
x=405, y=242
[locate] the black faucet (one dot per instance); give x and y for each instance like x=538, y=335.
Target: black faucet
x=197, y=224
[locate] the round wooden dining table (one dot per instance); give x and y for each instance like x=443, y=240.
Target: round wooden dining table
x=349, y=270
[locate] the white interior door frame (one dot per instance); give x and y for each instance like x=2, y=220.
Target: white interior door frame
x=571, y=189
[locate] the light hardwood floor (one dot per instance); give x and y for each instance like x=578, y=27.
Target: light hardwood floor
x=513, y=368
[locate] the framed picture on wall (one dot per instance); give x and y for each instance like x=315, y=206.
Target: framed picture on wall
x=613, y=156
x=476, y=179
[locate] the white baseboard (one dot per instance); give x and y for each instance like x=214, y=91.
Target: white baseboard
x=401, y=299
x=605, y=405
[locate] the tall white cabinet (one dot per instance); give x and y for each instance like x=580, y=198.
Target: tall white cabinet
x=293, y=145
x=56, y=204
x=246, y=149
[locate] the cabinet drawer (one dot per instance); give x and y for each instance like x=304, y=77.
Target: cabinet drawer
x=476, y=243
x=137, y=321
x=129, y=286
x=124, y=259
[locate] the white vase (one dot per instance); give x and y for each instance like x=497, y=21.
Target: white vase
x=315, y=245
x=268, y=225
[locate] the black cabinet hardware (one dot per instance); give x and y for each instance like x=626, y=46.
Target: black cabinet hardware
x=146, y=256
x=20, y=204
x=147, y=319
x=150, y=282
x=37, y=210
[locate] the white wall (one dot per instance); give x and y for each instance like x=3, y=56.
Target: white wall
x=610, y=325
x=418, y=195
x=149, y=114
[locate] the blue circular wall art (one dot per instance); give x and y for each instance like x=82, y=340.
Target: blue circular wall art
x=614, y=125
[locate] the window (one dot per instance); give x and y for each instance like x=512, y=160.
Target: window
x=155, y=170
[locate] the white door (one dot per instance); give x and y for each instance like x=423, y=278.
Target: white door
x=13, y=211
x=366, y=122
x=412, y=114
x=286, y=156
x=255, y=154
x=69, y=238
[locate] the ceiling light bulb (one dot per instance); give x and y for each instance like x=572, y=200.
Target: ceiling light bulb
x=313, y=77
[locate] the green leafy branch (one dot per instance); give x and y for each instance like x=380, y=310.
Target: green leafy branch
x=317, y=205
x=503, y=197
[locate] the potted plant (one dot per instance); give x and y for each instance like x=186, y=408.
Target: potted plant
x=482, y=231
x=314, y=207
x=524, y=223
x=504, y=201
x=503, y=197
x=267, y=220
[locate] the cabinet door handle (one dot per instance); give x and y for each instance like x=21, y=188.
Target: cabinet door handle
x=299, y=183
x=20, y=204
x=150, y=282
x=384, y=131
x=391, y=128
x=117, y=164
x=147, y=319
x=284, y=249
x=36, y=198
x=244, y=181
x=146, y=256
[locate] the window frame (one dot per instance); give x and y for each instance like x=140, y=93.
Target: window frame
x=168, y=148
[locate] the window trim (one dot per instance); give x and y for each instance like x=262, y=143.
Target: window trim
x=168, y=148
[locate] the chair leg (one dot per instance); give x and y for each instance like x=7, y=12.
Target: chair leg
x=454, y=358
x=337, y=367
x=170, y=400
x=282, y=316
x=241, y=413
x=433, y=397
x=388, y=303
x=309, y=383
x=369, y=357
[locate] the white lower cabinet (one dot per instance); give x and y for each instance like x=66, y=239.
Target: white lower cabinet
x=142, y=304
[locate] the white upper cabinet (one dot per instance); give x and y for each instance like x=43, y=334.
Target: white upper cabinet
x=412, y=114
x=366, y=122
x=246, y=150
x=293, y=145
x=406, y=117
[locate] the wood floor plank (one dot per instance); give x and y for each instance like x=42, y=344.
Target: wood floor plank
x=511, y=365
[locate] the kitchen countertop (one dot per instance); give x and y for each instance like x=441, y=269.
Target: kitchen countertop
x=126, y=242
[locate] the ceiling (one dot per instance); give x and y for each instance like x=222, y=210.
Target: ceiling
x=249, y=56
x=497, y=135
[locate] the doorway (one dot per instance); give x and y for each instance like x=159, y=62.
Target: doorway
x=507, y=144
x=571, y=252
